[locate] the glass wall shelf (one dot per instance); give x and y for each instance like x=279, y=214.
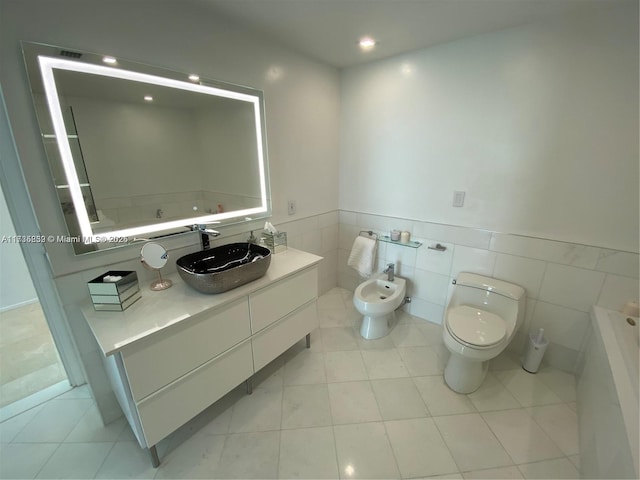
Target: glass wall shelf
x=410, y=243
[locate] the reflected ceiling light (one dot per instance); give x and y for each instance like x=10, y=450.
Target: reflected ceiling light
x=367, y=43
x=148, y=98
x=274, y=73
x=194, y=78
x=109, y=60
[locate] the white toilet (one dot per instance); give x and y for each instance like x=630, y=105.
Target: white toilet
x=482, y=317
x=377, y=299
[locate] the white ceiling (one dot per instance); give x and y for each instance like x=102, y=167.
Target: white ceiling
x=328, y=30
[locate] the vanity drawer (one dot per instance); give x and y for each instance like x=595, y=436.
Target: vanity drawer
x=166, y=356
x=274, y=302
x=274, y=340
x=176, y=404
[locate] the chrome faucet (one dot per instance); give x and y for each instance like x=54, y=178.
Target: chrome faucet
x=390, y=271
x=205, y=233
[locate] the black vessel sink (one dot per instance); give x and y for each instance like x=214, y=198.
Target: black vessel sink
x=224, y=268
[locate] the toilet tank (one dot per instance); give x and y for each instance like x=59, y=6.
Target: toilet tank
x=490, y=294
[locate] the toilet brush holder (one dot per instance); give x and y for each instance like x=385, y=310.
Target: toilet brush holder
x=535, y=351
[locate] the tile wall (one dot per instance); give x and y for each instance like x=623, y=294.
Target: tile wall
x=562, y=280
x=317, y=234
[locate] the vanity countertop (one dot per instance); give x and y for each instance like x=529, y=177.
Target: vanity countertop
x=156, y=311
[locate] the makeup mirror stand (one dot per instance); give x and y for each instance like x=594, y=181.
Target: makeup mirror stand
x=154, y=256
x=161, y=283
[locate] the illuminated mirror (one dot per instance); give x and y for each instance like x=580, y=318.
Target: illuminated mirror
x=138, y=151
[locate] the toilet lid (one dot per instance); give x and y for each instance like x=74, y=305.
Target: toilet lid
x=475, y=326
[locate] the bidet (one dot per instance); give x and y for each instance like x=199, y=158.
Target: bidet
x=377, y=300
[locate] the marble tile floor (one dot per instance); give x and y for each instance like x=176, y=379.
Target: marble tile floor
x=29, y=360
x=345, y=408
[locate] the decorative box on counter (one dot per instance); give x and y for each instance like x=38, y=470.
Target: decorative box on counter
x=276, y=242
x=115, y=290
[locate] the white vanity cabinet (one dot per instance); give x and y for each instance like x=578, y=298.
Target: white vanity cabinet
x=156, y=362
x=174, y=353
x=281, y=314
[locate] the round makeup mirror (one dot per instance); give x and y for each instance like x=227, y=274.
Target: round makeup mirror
x=154, y=256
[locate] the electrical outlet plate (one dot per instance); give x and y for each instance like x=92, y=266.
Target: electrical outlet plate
x=458, y=199
x=291, y=207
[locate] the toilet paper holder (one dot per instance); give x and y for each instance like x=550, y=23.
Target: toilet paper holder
x=439, y=247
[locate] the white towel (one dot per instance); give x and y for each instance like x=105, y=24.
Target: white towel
x=363, y=255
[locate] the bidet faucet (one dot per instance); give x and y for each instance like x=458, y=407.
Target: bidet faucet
x=205, y=233
x=390, y=271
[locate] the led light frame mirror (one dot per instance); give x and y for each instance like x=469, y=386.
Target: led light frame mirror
x=58, y=74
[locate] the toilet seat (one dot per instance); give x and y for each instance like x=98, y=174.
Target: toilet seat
x=475, y=327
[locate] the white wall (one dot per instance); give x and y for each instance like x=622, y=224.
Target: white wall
x=301, y=101
x=538, y=124
x=16, y=287
x=145, y=157
x=301, y=96
x=227, y=141
x=124, y=146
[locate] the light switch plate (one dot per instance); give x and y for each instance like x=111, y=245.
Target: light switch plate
x=291, y=207
x=458, y=199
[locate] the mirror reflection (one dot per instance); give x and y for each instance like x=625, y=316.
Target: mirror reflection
x=136, y=150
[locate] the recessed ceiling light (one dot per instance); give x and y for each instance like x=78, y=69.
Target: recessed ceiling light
x=148, y=98
x=109, y=60
x=194, y=78
x=367, y=43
